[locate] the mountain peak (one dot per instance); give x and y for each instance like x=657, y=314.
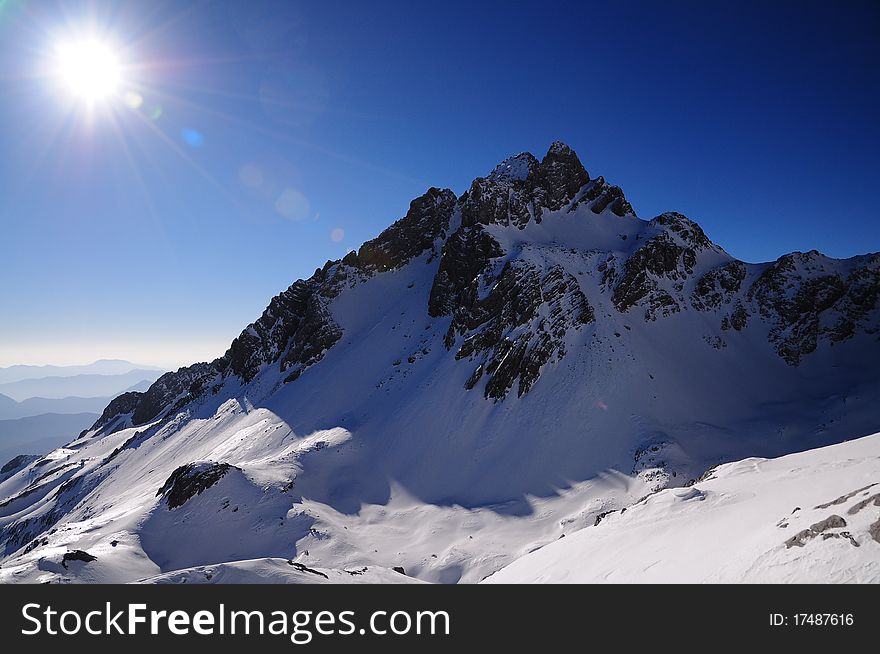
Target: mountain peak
x=558, y=147
x=515, y=168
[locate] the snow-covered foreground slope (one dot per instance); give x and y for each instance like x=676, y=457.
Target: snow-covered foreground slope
x=812, y=517
x=277, y=571
x=492, y=372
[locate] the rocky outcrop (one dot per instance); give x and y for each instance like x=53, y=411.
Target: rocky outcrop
x=558, y=178
x=426, y=222
x=173, y=390
x=465, y=255
x=519, y=326
x=122, y=405
x=267, y=339
x=861, y=298
x=599, y=195
x=521, y=188
x=190, y=480
x=503, y=201
x=738, y=318
x=654, y=275
x=821, y=529
x=805, y=299
x=170, y=392
x=77, y=555
x=686, y=231
x=17, y=463
x=718, y=286
x=316, y=333
x=659, y=258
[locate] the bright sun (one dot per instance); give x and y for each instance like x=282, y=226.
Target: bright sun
x=89, y=68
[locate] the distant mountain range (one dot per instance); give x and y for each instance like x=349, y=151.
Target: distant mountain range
x=34, y=406
x=84, y=386
x=100, y=367
x=40, y=434
x=41, y=407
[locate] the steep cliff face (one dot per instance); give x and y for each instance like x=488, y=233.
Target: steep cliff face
x=499, y=353
x=808, y=298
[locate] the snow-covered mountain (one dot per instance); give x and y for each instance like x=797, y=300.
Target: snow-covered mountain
x=492, y=372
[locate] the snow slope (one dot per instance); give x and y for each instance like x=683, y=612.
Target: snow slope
x=812, y=517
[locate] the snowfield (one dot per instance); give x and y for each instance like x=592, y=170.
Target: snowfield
x=812, y=517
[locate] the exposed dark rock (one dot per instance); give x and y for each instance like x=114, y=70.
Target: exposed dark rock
x=18, y=462
x=426, y=221
x=173, y=389
x=119, y=406
x=799, y=295
x=399, y=569
x=861, y=298
x=266, y=340
x=77, y=555
x=303, y=568
x=558, y=178
x=738, y=319
x=831, y=522
x=515, y=200
x=874, y=531
x=600, y=195
x=800, y=538
x=858, y=506
x=686, y=229
x=602, y=516
x=718, y=286
x=660, y=258
x=493, y=324
x=190, y=480
x=465, y=255
x=492, y=202
x=843, y=498
x=317, y=332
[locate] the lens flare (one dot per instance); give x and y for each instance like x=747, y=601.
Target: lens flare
x=292, y=204
x=250, y=176
x=193, y=138
x=133, y=99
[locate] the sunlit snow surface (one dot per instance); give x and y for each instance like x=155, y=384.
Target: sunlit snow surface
x=749, y=521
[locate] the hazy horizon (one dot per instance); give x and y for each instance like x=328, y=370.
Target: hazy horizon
x=82, y=354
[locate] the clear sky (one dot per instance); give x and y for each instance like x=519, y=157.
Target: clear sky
x=248, y=142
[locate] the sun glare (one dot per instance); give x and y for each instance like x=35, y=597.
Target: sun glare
x=90, y=69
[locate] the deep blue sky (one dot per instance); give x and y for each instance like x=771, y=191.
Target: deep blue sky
x=159, y=239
